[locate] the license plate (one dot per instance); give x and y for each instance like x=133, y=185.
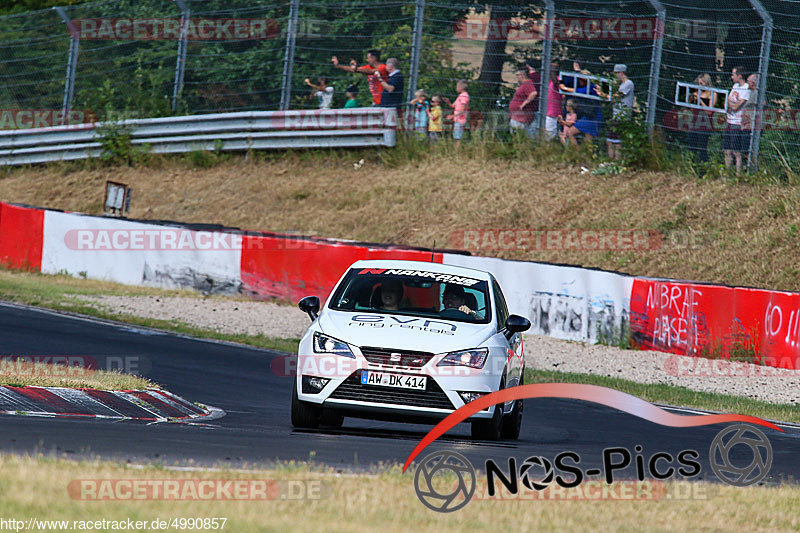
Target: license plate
x=384, y=379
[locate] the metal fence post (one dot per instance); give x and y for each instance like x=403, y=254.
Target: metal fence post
x=547, y=59
x=288, y=58
x=416, y=48
x=72, y=64
x=655, y=64
x=761, y=88
x=180, y=67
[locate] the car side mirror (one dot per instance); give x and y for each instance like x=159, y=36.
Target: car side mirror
x=310, y=305
x=517, y=324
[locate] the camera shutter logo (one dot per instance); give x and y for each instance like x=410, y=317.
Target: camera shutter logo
x=445, y=462
x=544, y=481
x=738, y=436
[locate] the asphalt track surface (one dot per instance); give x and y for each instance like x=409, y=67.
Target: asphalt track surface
x=256, y=428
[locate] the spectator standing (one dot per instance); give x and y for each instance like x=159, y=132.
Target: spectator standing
x=435, y=123
x=554, y=99
x=372, y=67
x=460, y=111
x=421, y=110
x=392, y=95
x=352, y=97
x=702, y=120
x=750, y=118
x=622, y=109
x=733, y=139
x=536, y=78
x=521, y=108
x=322, y=91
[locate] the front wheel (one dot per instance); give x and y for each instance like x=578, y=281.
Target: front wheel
x=512, y=422
x=304, y=415
x=331, y=418
x=492, y=428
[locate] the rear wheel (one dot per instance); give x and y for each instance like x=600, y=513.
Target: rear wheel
x=304, y=414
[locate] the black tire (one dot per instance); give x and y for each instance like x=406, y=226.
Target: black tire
x=512, y=422
x=490, y=429
x=304, y=415
x=331, y=419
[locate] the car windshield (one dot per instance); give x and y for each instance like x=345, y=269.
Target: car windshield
x=414, y=292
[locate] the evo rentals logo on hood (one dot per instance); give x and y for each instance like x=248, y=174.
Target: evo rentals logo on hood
x=417, y=324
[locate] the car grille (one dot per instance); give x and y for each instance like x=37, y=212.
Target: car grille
x=382, y=356
x=351, y=389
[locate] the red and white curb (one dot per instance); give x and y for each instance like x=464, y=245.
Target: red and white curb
x=152, y=405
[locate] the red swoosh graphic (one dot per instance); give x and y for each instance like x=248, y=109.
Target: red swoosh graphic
x=575, y=391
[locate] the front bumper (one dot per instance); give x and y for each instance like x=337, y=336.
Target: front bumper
x=439, y=399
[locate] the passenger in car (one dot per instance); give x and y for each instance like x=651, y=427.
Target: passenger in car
x=455, y=297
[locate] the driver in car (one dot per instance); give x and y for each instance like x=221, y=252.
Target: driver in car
x=455, y=298
x=391, y=294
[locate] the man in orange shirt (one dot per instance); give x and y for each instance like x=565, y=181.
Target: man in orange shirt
x=373, y=65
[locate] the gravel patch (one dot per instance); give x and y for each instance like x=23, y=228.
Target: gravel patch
x=545, y=353
x=775, y=385
x=217, y=314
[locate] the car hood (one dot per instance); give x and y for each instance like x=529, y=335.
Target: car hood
x=403, y=332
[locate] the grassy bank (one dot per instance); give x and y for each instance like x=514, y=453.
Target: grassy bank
x=38, y=489
x=22, y=373
x=711, y=229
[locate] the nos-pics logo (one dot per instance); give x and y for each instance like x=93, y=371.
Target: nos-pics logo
x=445, y=481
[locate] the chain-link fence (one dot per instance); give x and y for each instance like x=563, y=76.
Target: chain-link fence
x=138, y=58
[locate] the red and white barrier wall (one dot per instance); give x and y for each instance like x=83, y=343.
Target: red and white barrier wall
x=561, y=301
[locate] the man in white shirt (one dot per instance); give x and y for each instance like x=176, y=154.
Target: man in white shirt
x=623, y=107
x=734, y=140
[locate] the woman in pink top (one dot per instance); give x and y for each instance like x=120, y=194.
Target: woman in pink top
x=460, y=110
x=553, y=104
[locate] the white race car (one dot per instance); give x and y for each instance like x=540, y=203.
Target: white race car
x=409, y=341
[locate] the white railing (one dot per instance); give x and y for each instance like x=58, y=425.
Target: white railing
x=241, y=131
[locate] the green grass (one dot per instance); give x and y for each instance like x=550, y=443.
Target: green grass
x=385, y=500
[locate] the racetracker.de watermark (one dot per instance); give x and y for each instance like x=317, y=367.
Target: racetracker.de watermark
x=492, y=239
x=701, y=367
x=72, y=365
x=169, y=29
x=595, y=490
x=693, y=119
x=564, y=28
x=20, y=119
x=197, y=489
x=179, y=240
x=333, y=366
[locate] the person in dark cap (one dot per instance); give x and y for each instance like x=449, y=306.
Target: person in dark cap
x=352, y=97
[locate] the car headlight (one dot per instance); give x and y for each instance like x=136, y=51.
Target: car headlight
x=326, y=344
x=475, y=358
